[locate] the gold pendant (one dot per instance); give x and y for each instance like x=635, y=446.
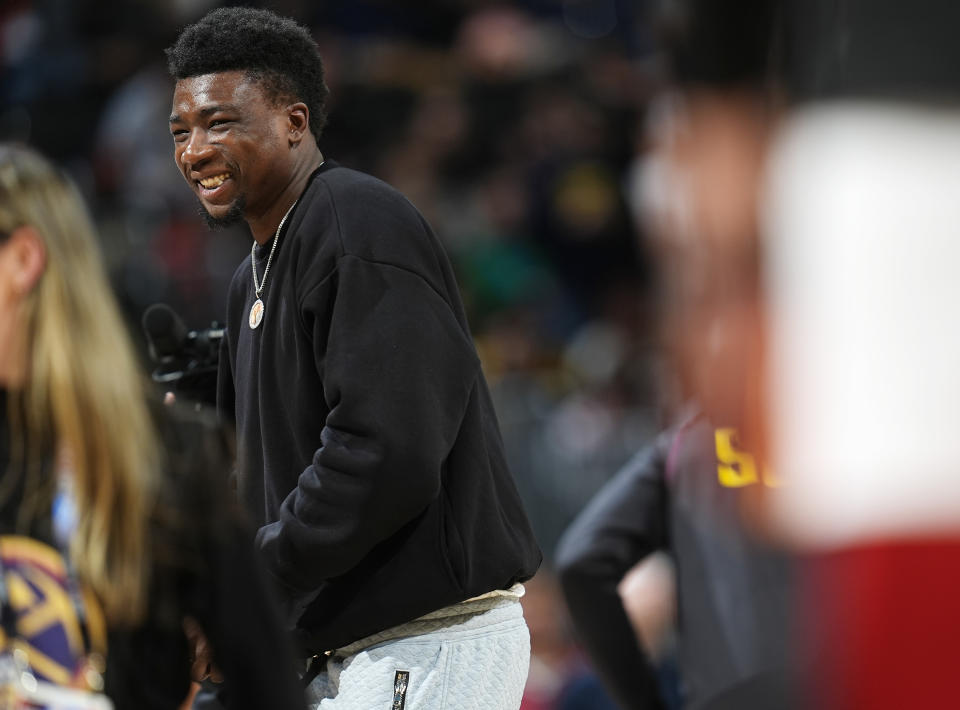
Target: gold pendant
x=256, y=314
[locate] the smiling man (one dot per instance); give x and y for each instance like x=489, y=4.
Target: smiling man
x=367, y=447
x=234, y=160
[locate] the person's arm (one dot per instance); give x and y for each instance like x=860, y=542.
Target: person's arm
x=221, y=590
x=398, y=370
x=250, y=649
x=623, y=523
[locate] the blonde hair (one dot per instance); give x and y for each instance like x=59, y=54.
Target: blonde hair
x=84, y=395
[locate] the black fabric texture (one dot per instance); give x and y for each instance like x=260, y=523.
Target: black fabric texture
x=367, y=446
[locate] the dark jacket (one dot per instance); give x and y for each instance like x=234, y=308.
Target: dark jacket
x=202, y=567
x=368, y=448
x=734, y=593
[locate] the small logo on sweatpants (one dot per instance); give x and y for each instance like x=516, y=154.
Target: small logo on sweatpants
x=400, y=681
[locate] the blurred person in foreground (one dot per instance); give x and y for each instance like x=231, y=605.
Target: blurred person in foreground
x=862, y=241
x=851, y=332
x=98, y=485
x=368, y=449
x=691, y=490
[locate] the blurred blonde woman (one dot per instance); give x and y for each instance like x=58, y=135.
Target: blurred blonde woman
x=93, y=473
x=72, y=380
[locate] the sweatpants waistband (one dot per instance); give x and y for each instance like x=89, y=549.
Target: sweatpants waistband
x=463, y=616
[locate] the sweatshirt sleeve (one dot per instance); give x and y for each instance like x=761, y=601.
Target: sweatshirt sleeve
x=226, y=397
x=397, y=368
x=623, y=523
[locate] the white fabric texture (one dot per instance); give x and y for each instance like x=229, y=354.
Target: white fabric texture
x=863, y=229
x=477, y=660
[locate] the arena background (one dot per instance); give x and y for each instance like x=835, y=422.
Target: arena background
x=516, y=127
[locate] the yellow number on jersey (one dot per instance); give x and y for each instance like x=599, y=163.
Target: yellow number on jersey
x=735, y=469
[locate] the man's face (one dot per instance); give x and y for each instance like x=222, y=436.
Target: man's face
x=230, y=143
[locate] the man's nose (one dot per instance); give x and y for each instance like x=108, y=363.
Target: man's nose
x=197, y=149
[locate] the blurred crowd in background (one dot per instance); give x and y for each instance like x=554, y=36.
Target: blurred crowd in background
x=517, y=128
x=577, y=196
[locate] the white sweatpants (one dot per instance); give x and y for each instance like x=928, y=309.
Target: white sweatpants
x=472, y=661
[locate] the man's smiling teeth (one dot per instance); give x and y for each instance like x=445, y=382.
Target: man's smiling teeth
x=214, y=181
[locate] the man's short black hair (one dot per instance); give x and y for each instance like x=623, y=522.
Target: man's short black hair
x=274, y=50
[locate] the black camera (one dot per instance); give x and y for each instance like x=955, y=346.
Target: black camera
x=187, y=359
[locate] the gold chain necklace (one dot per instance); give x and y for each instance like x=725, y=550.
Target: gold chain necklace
x=256, y=310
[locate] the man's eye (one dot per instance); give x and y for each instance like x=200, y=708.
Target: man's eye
x=179, y=134
x=219, y=122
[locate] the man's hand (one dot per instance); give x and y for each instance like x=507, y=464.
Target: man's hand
x=201, y=666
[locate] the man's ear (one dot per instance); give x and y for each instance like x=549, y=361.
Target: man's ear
x=298, y=122
x=24, y=258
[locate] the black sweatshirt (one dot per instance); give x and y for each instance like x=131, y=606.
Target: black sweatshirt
x=368, y=448
x=734, y=594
